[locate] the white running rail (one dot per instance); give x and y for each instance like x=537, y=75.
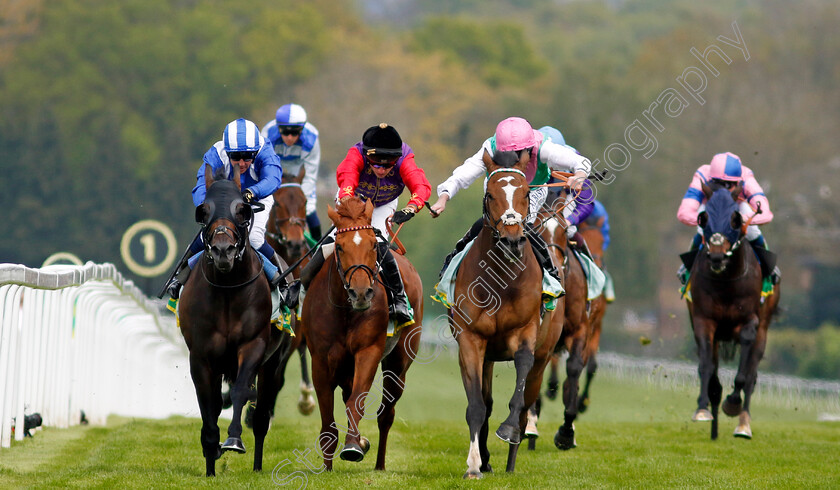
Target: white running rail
x=83, y=338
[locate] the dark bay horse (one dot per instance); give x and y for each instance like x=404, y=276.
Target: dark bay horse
x=345, y=321
x=725, y=305
x=284, y=232
x=224, y=314
x=591, y=233
x=575, y=326
x=496, y=314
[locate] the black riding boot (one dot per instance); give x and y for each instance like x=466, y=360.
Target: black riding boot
x=687, y=259
x=397, y=302
x=281, y=266
x=579, y=244
x=766, y=259
x=310, y=270
x=174, y=286
x=473, y=232
x=541, y=251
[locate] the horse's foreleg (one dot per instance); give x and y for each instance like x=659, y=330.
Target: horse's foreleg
x=366, y=362
x=394, y=368
x=325, y=391
x=523, y=361
x=583, y=400
x=565, y=436
x=703, y=335
x=743, y=429
x=250, y=357
x=471, y=359
x=269, y=383
x=208, y=390
x=733, y=404
x=487, y=397
x=553, y=377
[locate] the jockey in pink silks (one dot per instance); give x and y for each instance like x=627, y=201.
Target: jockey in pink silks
x=726, y=170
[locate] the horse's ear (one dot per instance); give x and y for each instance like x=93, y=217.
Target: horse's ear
x=236, y=179
x=524, y=158
x=702, y=219
x=736, y=220
x=707, y=190
x=208, y=176
x=202, y=213
x=488, y=162
x=368, y=209
x=333, y=214
x=243, y=213
x=300, y=175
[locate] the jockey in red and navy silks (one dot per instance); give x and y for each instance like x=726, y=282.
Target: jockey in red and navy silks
x=726, y=170
x=296, y=141
x=260, y=175
x=379, y=168
x=383, y=183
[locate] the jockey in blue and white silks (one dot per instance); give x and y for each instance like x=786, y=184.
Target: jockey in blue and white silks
x=297, y=143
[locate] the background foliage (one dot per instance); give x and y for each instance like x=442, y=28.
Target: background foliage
x=107, y=107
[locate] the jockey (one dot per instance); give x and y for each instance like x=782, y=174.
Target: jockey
x=516, y=134
x=297, y=144
x=260, y=170
x=378, y=168
x=599, y=213
x=726, y=170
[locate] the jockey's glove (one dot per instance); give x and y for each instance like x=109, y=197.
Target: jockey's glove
x=248, y=196
x=403, y=215
x=570, y=231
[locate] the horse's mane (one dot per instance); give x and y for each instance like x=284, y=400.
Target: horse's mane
x=351, y=209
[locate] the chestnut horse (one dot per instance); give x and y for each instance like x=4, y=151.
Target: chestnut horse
x=284, y=232
x=725, y=305
x=496, y=316
x=345, y=321
x=575, y=326
x=224, y=315
x=591, y=233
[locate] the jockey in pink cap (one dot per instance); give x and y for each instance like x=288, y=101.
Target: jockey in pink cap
x=515, y=134
x=726, y=170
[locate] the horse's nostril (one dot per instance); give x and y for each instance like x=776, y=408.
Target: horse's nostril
x=369, y=294
x=352, y=295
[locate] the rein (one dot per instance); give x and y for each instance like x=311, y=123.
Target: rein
x=346, y=275
x=223, y=286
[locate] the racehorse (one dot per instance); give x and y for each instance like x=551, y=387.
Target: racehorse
x=284, y=232
x=725, y=305
x=591, y=233
x=224, y=314
x=496, y=316
x=345, y=321
x=576, y=330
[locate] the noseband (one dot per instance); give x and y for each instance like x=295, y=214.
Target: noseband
x=292, y=220
x=233, y=233
x=507, y=218
x=346, y=275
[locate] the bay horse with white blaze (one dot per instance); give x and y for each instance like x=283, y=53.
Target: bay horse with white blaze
x=725, y=305
x=496, y=313
x=224, y=315
x=345, y=321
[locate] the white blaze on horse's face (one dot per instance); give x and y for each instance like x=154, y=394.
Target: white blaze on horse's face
x=510, y=216
x=357, y=239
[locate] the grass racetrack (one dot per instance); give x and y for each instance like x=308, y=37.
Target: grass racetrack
x=634, y=434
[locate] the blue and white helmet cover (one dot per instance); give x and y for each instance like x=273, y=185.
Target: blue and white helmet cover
x=242, y=135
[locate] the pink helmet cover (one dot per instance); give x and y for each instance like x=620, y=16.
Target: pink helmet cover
x=725, y=166
x=513, y=134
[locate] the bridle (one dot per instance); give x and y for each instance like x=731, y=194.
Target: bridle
x=347, y=274
x=239, y=238
x=292, y=220
x=507, y=218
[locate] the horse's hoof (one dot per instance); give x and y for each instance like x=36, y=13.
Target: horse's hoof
x=564, y=439
x=218, y=454
x=552, y=390
x=730, y=407
x=702, y=415
x=508, y=433
x=485, y=468
x=353, y=453
x=743, y=431
x=473, y=475
x=583, y=404
x=234, y=444
x=532, y=443
x=306, y=405
x=531, y=427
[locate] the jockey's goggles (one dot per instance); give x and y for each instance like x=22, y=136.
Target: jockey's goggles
x=729, y=184
x=383, y=159
x=236, y=156
x=290, y=130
